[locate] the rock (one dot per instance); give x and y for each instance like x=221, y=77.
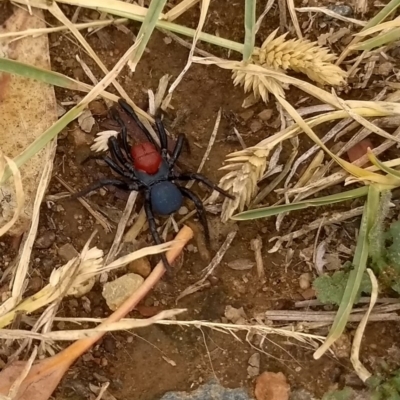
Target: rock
x=308, y=294
x=235, y=315
x=67, y=252
x=46, y=240
x=210, y=391
x=109, y=344
x=183, y=210
x=272, y=386
x=341, y=9
x=342, y=346
x=246, y=115
x=253, y=369
x=305, y=280
x=301, y=395
x=265, y=115
x=86, y=121
x=80, y=138
x=140, y=266
x=35, y=284
x=117, y=291
x=241, y=264
x=255, y=125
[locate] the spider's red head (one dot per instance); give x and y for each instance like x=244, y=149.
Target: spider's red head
x=146, y=158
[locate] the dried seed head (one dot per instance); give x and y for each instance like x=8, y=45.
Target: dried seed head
x=260, y=85
x=246, y=169
x=101, y=141
x=300, y=55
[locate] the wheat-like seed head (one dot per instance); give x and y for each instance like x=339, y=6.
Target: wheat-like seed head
x=258, y=84
x=300, y=55
x=246, y=168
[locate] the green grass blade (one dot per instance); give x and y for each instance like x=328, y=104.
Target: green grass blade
x=40, y=74
x=170, y=26
x=250, y=28
x=379, y=41
x=265, y=212
x=360, y=264
x=147, y=28
x=383, y=14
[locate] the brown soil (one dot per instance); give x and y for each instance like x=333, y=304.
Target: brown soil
x=135, y=361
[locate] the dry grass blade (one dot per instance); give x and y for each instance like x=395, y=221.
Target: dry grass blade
x=23, y=264
x=203, y=13
x=121, y=227
x=200, y=284
x=332, y=14
x=292, y=11
x=209, y=146
x=179, y=9
x=19, y=191
x=45, y=375
x=97, y=216
x=72, y=335
x=361, y=371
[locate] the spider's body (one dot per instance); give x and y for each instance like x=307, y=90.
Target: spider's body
x=146, y=169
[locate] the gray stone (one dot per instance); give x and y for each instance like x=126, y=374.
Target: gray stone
x=117, y=291
x=210, y=391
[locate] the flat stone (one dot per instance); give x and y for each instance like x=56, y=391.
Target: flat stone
x=67, y=252
x=117, y=291
x=210, y=391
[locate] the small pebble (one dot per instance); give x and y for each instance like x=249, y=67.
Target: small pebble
x=140, y=266
x=46, y=240
x=109, y=344
x=305, y=281
x=255, y=125
x=246, y=115
x=342, y=9
x=253, y=369
x=183, y=210
x=67, y=252
x=265, y=115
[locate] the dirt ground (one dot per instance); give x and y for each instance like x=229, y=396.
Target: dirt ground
x=136, y=362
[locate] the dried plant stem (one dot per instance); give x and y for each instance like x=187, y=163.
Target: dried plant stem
x=51, y=370
x=121, y=227
x=98, y=217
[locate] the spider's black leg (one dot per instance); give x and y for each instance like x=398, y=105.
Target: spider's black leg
x=201, y=212
x=205, y=180
x=177, y=150
x=114, y=166
x=130, y=111
x=123, y=133
x=153, y=229
x=117, y=154
x=163, y=136
x=99, y=184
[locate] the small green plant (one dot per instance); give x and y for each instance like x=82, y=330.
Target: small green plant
x=379, y=388
x=330, y=288
x=386, y=261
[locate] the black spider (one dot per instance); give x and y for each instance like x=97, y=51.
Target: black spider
x=150, y=171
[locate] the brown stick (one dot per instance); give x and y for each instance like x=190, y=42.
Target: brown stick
x=45, y=375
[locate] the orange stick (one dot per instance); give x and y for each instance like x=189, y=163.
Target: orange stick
x=45, y=375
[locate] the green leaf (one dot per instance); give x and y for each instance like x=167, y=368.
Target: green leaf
x=250, y=29
x=147, y=28
x=345, y=394
x=330, y=289
x=265, y=212
x=42, y=75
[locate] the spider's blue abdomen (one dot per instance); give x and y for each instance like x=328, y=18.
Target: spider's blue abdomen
x=165, y=198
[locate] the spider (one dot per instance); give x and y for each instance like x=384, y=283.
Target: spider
x=151, y=172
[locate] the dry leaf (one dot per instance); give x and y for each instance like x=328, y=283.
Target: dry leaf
x=271, y=386
x=86, y=121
